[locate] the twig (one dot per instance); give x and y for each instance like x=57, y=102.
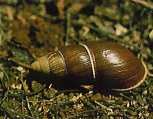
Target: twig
x=20, y=63
x=144, y=3
x=68, y=16
x=26, y=98
x=103, y=106
x=6, y=88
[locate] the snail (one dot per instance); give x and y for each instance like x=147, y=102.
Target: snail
x=102, y=64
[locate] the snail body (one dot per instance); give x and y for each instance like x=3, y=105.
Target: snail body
x=103, y=64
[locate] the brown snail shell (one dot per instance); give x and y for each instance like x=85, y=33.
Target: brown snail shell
x=104, y=64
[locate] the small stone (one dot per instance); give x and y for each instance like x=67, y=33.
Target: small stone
x=20, y=69
x=120, y=30
x=128, y=104
x=151, y=34
x=145, y=92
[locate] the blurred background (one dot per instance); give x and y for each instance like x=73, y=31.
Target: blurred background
x=31, y=28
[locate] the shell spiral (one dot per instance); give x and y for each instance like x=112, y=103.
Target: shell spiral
x=106, y=64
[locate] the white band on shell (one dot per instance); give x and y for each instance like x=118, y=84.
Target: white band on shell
x=91, y=59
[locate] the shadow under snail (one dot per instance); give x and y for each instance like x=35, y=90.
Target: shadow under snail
x=103, y=64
